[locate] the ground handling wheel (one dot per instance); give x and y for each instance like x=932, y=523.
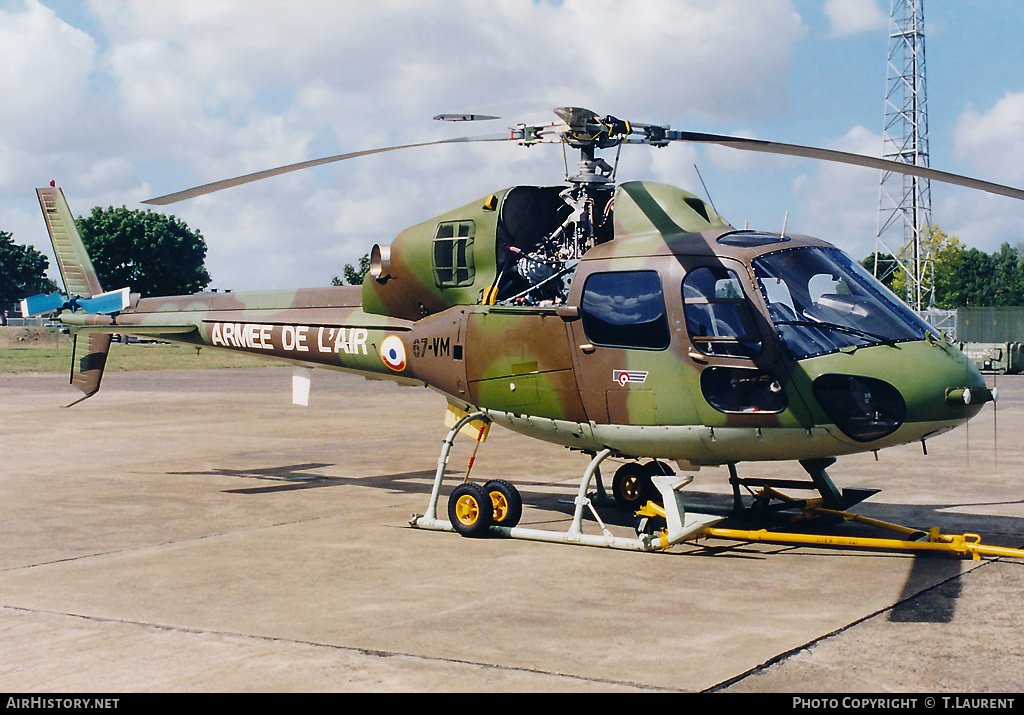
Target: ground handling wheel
x=508, y=505
x=470, y=510
x=657, y=469
x=632, y=486
x=649, y=525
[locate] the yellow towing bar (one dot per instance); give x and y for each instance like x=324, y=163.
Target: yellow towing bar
x=959, y=544
x=951, y=543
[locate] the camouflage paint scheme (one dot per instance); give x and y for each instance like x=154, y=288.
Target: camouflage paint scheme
x=533, y=368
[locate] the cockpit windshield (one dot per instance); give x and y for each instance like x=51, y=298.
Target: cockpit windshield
x=821, y=301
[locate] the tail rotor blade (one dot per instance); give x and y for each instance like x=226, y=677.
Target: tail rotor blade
x=42, y=303
x=110, y=302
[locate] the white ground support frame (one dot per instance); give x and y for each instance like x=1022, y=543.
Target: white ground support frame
x=681, y=525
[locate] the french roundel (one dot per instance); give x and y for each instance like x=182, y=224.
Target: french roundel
x=392, y=352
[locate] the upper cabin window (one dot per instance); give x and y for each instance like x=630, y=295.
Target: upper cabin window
x=718, y=315
x=625, y=309
x=453, y=254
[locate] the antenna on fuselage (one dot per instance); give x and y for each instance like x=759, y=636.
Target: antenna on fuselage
x=706, y=192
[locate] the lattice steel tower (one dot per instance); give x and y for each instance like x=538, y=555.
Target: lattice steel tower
x=905, y=202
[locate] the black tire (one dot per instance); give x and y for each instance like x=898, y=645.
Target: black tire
x=658, y=469
x=631, y=486
x=470, y=510
x=507, y=503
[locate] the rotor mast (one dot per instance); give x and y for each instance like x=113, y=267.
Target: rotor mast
x=592, y=186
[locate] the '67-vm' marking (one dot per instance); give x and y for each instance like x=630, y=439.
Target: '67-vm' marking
x=436, y=347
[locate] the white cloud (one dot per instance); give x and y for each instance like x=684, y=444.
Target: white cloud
x=44, y=73
x=980, y=220
x=224, y=88
x=193, y=59
x=156, y=96
x=832, y=198
x=45, y=68
x=850, y=17
x=120, y=100
x=992, y=142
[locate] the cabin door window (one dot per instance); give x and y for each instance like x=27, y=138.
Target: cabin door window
x=720, y=323
x=718, y=316
x=625, y=309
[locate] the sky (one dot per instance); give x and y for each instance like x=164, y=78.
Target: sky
x=123, y=100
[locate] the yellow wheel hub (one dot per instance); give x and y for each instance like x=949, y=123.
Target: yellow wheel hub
x=467, y=509
x=500, y=505
x=631, y=488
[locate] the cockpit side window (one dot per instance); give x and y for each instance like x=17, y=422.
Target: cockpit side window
x=718, y=316
x=821, y=301
x=625, y=309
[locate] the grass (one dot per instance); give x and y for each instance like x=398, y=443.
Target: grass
x=55, y=356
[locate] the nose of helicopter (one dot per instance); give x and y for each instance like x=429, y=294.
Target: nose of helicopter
x=873, y=398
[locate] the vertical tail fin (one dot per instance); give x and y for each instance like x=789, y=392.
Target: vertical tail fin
x=80, y=279
x=75, y=266
x=87, y=371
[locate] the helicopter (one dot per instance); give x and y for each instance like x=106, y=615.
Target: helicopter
x=625, y=320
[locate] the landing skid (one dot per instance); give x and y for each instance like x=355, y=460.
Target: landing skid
x=663, y=525
x=680, y=525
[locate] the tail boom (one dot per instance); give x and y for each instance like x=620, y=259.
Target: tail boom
x=317, y=327
x=322, y=327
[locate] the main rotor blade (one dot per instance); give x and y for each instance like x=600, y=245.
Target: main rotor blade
x=266, y=174
x=843, y=157
x=464, y=117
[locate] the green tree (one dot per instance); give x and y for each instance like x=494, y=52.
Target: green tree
x=949, y=254
x=1008, y=283
x=969, y=276
x=353, y=275
x=886, y=269
x=962, y=276
x=22, y=272
x=977, y=270
x=150, y=253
